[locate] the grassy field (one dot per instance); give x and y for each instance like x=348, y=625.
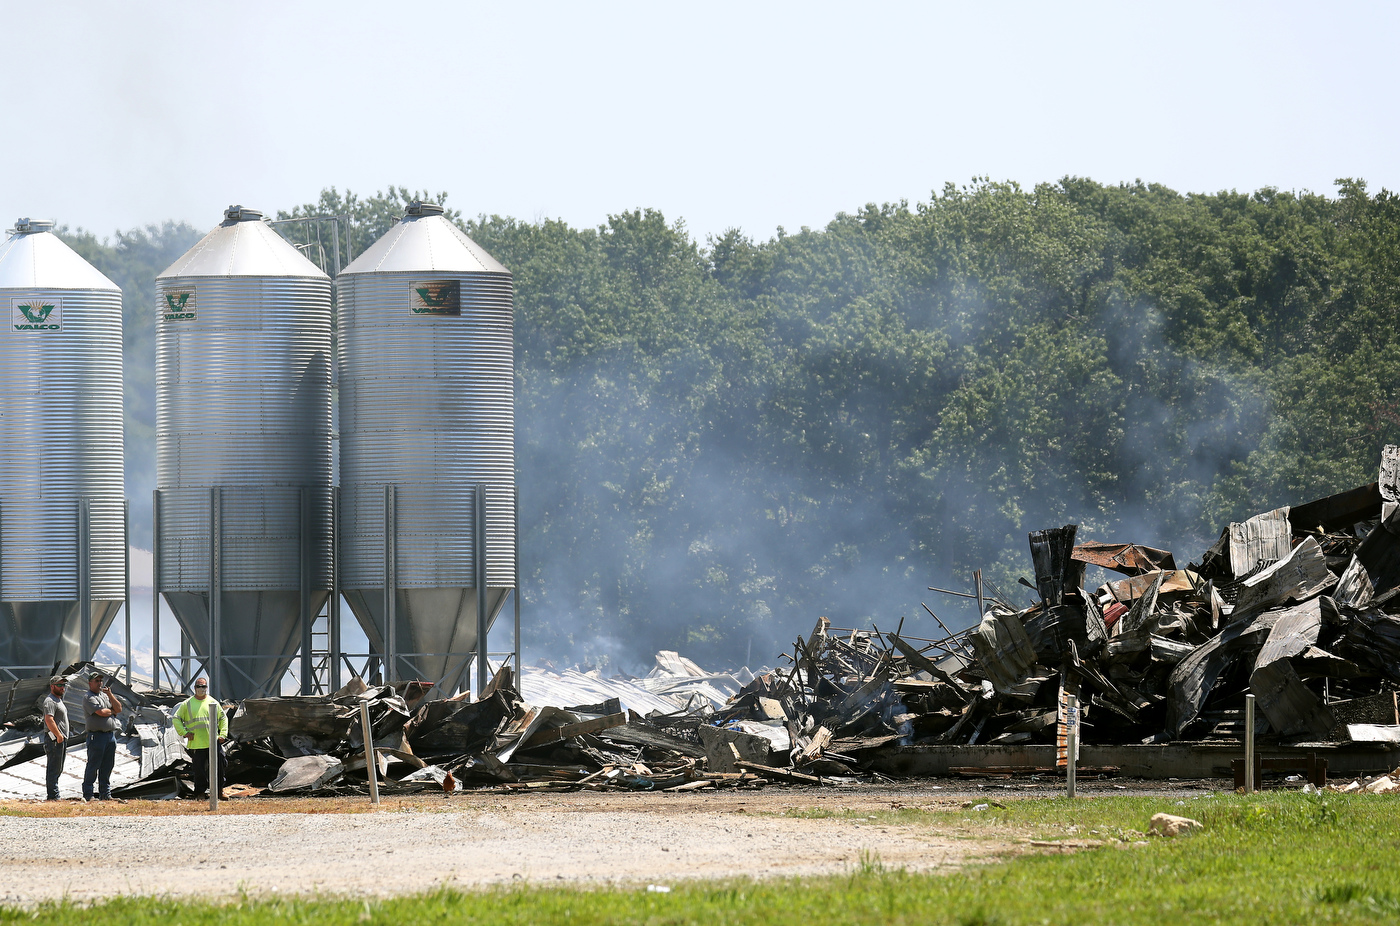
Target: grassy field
x=1276, y=858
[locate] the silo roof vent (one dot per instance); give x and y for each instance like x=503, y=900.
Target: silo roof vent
x=234, y=214
x=418, y=207
x=30, y=226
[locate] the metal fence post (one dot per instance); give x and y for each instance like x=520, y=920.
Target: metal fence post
x=1071, y=744
x=367, y=732
x=126, y=582
x=333, y=615
x=85, y=647
x=304, y=587
x=216, y=590
x=155, y=589
x=215, y=710
x=1249, y=783
x=391, y=582
x=482, y=668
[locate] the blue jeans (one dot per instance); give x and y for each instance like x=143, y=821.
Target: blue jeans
x=56, y=754
x=101, y=756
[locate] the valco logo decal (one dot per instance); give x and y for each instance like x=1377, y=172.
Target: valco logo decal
x=444, y=298
x=36, y=314
x=177, y=305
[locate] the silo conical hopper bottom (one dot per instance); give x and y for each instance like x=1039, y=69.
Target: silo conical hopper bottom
x=265, y=626
x=437, y=621
x=48, y=633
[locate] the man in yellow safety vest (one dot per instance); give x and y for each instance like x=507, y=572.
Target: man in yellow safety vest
x=192, y=722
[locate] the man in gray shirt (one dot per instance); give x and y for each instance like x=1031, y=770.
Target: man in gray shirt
x=100, y=710
x=55, y=733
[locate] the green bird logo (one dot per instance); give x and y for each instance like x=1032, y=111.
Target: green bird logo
x=439, y=298
x=174, y=305
x=36, y=312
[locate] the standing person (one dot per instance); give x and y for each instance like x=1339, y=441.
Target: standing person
x=100, y=710
x=192, y=722
x=55, y=733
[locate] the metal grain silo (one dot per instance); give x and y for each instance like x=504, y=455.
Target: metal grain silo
x=243, y=450
x=62, y=507
x=427, y=444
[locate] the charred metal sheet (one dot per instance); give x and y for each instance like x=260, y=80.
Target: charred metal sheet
x=1372, y=638
x=458, y=728
x=1299, y=576
x=308, y=773
x=1052, y=553
x=1340, y=511
x=317, y=717
x=1131, y=559
x=22, y=698
x=1292, y=709
x=1376, y=563
x=1389, y=483
x=1169, y=651
x=1144, y=608
x=1095, y=628
x=1264, y=538
x=725, y=748
x=1192, y=680
x=1054, y=631
x=1003, y=649
x=1354, y=589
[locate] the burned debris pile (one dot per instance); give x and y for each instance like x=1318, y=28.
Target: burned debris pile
x=1299, y=606
x=285, y=744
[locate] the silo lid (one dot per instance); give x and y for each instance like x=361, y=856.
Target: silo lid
x=243, y=245
x=35, y=258
x=425, y=241
x=30, y=226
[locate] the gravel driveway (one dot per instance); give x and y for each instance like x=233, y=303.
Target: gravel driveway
x=466, y=842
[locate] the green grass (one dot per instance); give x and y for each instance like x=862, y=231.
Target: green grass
x=1277, y=858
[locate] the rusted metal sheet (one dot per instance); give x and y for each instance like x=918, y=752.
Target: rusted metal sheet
x=1179, y=580
x=1128, y=558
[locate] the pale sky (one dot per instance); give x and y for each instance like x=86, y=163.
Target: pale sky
x=752, y=115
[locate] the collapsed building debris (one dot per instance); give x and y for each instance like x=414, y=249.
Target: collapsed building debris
x=1299, y=606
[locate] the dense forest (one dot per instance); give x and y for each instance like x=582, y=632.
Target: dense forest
x=720, y=442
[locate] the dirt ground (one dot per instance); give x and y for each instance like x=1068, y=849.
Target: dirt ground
x=339, y=846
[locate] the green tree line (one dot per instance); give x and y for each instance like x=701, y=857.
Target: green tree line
x=720, y=441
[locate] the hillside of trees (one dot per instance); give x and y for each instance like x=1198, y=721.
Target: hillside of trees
x=720, y=441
